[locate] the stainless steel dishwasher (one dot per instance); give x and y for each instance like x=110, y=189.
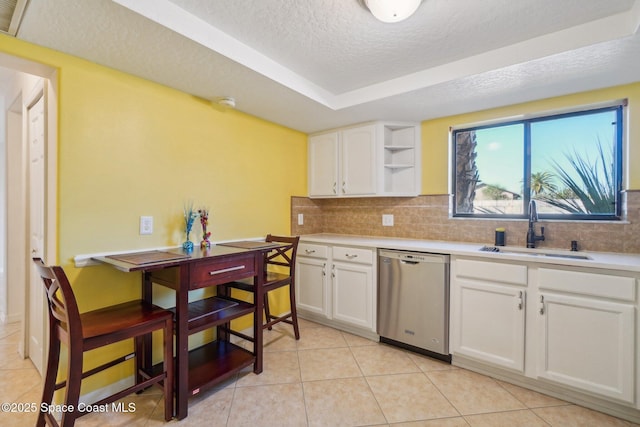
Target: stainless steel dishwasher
x=413, y=301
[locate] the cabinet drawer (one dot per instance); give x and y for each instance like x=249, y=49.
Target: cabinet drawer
x=491, y=271
x=361, y=256
x=313, y=251
x=218, y=271
x=595, y=284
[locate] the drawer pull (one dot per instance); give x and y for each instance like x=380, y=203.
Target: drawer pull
x=351, y=256
x=226, y=270
x=310, y=251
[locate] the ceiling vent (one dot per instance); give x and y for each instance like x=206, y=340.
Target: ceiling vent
x=11, y=12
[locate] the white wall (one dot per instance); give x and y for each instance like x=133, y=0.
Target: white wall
x=10, y=87
x=12, y=203
x=3, y=211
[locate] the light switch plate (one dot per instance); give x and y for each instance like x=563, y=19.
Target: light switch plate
x=300, y=219
x=387, y=220
x=146, y=225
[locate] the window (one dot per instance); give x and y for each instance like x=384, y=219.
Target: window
x=570, y=164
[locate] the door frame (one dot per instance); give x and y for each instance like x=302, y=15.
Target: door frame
x=49, y=251
x=49, y=89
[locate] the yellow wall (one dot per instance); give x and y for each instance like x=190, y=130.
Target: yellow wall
x=435, y=133
x=128, y=147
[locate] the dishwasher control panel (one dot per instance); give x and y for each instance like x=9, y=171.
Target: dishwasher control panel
x=412, y=256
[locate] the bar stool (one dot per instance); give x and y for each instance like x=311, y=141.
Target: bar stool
x=285, y=258
x=82, y=332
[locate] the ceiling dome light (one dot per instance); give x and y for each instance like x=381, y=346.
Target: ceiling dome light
x=392, y=10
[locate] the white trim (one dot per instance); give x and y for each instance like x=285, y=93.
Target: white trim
x=109, y=390
x=545, y=113
x=85, y=260
x=177, y=19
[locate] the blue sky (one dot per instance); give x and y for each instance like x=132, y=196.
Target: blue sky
x=500, y=149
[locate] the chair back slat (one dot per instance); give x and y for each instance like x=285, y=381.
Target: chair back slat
x=61, y=302
x=284, y=256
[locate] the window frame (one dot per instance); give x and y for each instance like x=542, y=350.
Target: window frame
x=617, y=107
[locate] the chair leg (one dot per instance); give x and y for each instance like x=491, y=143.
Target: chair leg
x=72, y=392
x=294, y=312
x=139, y=359
x=267, y=312
x=50, y=376
x=168, y=369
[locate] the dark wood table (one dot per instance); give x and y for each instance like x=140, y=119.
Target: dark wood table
x=183, y=272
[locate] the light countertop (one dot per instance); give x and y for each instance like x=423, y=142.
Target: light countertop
x=603, y=260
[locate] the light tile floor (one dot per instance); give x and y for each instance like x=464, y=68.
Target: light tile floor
x=328, y=378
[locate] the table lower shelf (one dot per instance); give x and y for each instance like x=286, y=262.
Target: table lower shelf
x=214, y=311
x=213, y=363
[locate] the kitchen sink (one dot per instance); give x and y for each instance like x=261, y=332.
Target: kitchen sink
x=530, y=252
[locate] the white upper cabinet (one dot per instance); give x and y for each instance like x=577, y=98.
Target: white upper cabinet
x=358, y=161
x=401, y=171
x=376, y=159
x=323, y=165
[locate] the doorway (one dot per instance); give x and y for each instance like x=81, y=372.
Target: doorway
x=30, y=188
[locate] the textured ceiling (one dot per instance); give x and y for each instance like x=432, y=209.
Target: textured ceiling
x=315, y=64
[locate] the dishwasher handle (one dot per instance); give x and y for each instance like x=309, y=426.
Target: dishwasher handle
x=404, y=261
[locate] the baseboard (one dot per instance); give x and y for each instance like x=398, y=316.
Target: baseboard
x=612, y=408
x=336, y=324
x=13, y=318
x=109, y=390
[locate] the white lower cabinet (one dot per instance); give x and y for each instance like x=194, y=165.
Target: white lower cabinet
x=587, y=342
x=582, y=330
x=336, y=284
x=491, y=324
x=353, y=293
x=312, y=285
x=488, y=316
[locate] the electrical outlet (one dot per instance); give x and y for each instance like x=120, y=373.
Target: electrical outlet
x=300, y=219
x=146, y=225
x=387, y=220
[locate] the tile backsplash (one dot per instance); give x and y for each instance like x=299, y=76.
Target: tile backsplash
x=427, y=217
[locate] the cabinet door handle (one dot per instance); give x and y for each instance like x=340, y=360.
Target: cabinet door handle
x=521, y=300
x=324, y=269
x=344, y=187
x=541, y=304
x=335, y=187
x=226, y=270
x=333, y=271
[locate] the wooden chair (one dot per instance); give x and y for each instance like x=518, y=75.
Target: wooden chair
x=82, y=332
x=284, y=258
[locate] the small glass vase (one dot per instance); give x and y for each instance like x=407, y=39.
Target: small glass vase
x=188, y=244
x=205, y=244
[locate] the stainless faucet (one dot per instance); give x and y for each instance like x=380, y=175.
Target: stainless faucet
x=532, y=238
